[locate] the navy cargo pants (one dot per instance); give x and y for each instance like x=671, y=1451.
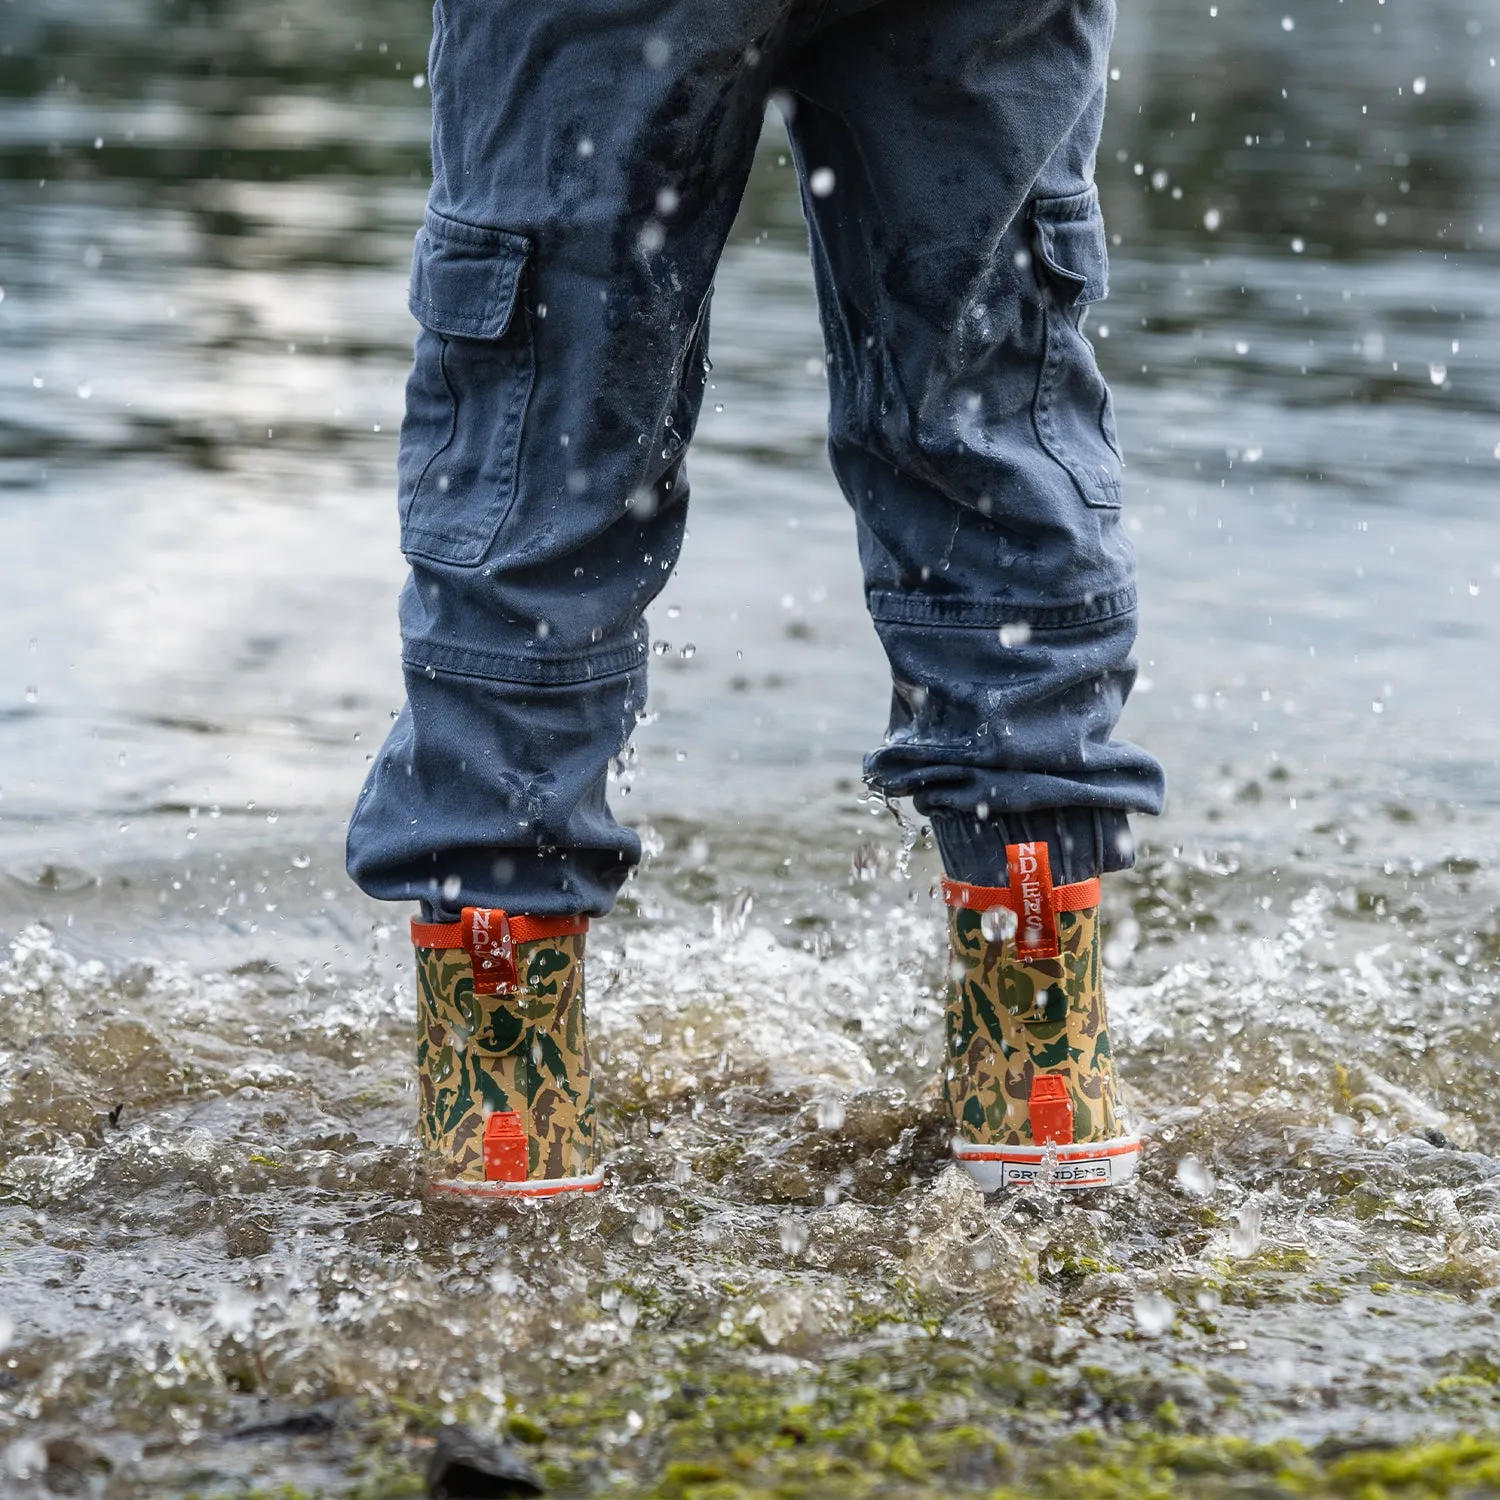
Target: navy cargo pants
x=588, y=160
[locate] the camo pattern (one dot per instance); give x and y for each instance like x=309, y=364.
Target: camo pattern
x=527, y=1052
x=1008, y=1021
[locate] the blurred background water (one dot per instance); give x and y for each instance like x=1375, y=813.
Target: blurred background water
x=206, y=213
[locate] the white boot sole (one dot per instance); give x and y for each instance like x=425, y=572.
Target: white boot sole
x=539, y=1187
x=1097, y=1165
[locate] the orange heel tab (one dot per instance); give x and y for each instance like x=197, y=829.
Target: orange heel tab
x=1051, y=1111
x=490, y=937
x=506, y=1151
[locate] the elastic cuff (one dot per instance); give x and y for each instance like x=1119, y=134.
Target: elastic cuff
x=1082, y=842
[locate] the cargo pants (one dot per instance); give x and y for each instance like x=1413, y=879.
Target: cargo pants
x=588, y=160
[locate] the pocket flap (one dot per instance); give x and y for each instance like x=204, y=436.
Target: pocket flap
x=464, y=280
x=1070, y=240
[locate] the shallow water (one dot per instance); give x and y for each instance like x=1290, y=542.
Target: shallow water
x=208, y=1213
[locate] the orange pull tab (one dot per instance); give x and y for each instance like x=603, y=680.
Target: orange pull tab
x=1051, y=1111
x=492, y=950
x=505, y=1147
x=1036, y=908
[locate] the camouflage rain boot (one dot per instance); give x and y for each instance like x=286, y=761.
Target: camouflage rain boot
x=1030, y=1082
x=506, y=1107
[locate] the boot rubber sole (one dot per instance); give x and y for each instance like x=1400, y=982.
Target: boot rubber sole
x=1086, y=1165
x=539, y=1187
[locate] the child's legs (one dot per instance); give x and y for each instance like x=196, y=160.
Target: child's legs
x=588, y=160
x=970, y=428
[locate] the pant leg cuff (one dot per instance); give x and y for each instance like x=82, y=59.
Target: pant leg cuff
x=1082, y=842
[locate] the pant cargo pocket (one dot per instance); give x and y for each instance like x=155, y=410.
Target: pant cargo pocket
x=1074, y=417
x=467, y=394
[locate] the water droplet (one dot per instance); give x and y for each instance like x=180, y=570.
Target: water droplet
x=793, y=1235
x=1244, y=1238
x=997, y=924
x=25, y=1458
x=1015, y=634
x=1212, y=218
x=452, y=888
x=1193, y=1177
x=1153, y=1313
x=648, y=1219
x=830, y=1114
x=1437, y=373
x=821, y=183
x=732, y=916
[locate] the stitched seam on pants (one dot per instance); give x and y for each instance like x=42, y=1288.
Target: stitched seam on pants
x=438, y=545
x=1104, y=493
x=890, y=608
x=462, y=661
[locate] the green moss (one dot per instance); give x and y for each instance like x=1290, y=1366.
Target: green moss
x=1482, y=1368
x=1459, y=1466
x=868, y=1427
x=525, y=1429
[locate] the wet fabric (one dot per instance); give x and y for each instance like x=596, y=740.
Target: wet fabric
x=588, y=160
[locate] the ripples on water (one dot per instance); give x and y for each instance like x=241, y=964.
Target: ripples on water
x=208, y=1216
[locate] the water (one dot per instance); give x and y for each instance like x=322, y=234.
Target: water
x=208, y=1216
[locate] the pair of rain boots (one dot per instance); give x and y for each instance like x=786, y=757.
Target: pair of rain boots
x=507, y=1109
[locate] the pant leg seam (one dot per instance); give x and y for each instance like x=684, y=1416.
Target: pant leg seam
x=486, y=666
x=889, y=607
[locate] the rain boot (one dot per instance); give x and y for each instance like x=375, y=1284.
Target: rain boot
x=1030, y=1080
x=506, y=1106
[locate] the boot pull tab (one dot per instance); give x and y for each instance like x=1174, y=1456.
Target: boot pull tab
x=492, y=950
x=505, y=1148
x=1051, y=1111
x=1036, y=906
